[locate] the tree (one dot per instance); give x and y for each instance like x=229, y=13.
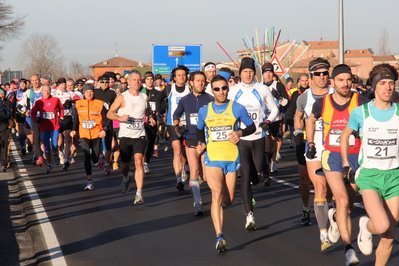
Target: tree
x=10, y=26
x=384, y=49
x=41, y=55
x=77, y=70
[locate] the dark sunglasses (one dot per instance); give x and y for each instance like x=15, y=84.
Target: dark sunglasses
x=317, y=74
x=124, y=83
x=80, y=85
x=225, y=87
x=104, y=82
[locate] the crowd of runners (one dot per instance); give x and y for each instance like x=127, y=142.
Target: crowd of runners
x=221, y=125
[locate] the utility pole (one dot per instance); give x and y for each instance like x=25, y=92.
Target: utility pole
x=341, y=33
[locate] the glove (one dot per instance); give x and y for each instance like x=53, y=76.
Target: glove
x=61, y=122
x=68, y=104
x=264, y=125
x=311, y=153
x=356, y=134
x=275, y=94
x=21, y=109
x=180, y=131
x=298, y=133
x=348, y=175
x=38, y=119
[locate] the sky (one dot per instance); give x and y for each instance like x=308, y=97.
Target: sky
x=88, y=31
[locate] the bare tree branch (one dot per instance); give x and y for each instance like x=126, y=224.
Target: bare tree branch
x=10, y=26
x=383, y=47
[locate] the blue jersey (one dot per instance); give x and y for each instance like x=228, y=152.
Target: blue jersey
x=190, y=104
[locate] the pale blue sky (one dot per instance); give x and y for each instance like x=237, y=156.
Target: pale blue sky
x=87, y=30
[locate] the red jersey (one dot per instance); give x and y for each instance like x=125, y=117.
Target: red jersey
x=50, y=110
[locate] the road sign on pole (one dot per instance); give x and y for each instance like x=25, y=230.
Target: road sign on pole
x=278, y=67
x=165, y=57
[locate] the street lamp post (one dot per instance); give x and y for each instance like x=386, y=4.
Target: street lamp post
x=341, y=33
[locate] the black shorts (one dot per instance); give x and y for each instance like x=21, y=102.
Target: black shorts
x=190, y=143
x=129, y=147
x=172, y=134
x=68, y=124
x=300, y=153
x=275, y=129
x=108, y=139
x=115, y=133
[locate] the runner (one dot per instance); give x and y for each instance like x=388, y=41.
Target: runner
x=190, y=104
x=20, y=110
x=222, y=158
x=334, y=110
x=105, y=94
x=318, y=69
x=377, y=177
x=210, y=72
x=174, y=93
x=6, y=122
x=129, y=108
x=257, y=99
x=50, y=117
x=91, y=123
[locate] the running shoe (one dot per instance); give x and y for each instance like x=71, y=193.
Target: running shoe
x=179, y=184
x=40, y=162
x=23, y=151
x=138, y=199
x=89, y=185
x=49, y=168
x=56, y=158
x=250, y=224
x=66, y=165
x=333, y=231
x=273, y=167
x=107, y=171
x=184, y=175
x=325, y=242
x=126, y=183
x=364, y=238
x=198, y=210
x=101, y=161
x=156, y=154
x=306, y=217
x=292, y=144
x=278, y=157
x=351, y=259
x=146, y=169
x=72, y=160
x=253, y=202
x=221, y=244
x=115, y=166
x=267, y=181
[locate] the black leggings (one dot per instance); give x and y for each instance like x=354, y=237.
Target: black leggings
x=95, y=146
x=36, y=140
x=252, y=160
x=151, y=133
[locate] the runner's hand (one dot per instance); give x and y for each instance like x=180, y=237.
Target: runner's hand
x=347, y=174
x=311, y=153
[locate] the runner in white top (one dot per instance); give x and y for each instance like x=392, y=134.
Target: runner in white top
x=130, y=108
x=255, y=97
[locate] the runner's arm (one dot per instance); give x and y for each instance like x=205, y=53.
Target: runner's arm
x=344, y=143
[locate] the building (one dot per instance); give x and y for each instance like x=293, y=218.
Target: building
x=116, y=64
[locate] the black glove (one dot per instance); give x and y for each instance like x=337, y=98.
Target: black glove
x=275, y=94
x=298, y=137
x=180, y=131
x=68, y=104
x=61, y=122
x=20, y=109
x=264, y=125
x=348, y=175
x=38, y=119
x=356, y=134
x=311, y=153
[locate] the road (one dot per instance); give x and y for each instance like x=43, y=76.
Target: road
x=104, y=227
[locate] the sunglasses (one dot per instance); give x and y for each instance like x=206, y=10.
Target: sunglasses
x=317, y=74
x=124, y=83
x=104, y=82
x=80, y=85
x=225, y=87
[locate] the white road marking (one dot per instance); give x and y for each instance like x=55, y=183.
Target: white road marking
x=57, y=258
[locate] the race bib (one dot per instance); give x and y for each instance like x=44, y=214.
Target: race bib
x=135, y=123
x=48, y=115
x=67, y=112
x=88, y=124
x=319, y=125
x=220, y=133
x=382, y=149
x=183, y=118
x=194, y=119
x=152, y=106
x=335, y=138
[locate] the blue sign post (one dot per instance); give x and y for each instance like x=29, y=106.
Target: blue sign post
x=165, y=57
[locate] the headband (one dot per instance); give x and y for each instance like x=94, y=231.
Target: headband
x=224, y=74
x=380, y=76
x=267, y=69
x=319, y=66
x=210, y=66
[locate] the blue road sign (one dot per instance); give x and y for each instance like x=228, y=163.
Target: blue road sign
x=165, y=57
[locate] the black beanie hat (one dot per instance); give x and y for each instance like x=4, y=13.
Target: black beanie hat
x=340, y=69
x=247, y=62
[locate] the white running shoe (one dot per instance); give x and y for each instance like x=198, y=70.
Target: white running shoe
x=146, y=169
x=351, y=258
x=325, y=242
x=250, y=224
x=364, y=238
x=333, y=231
x=138, y=199
x=278, y=157
x=184, y=175
x=273, y=167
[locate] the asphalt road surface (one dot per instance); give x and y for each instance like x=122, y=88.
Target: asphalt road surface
x=104, y=227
